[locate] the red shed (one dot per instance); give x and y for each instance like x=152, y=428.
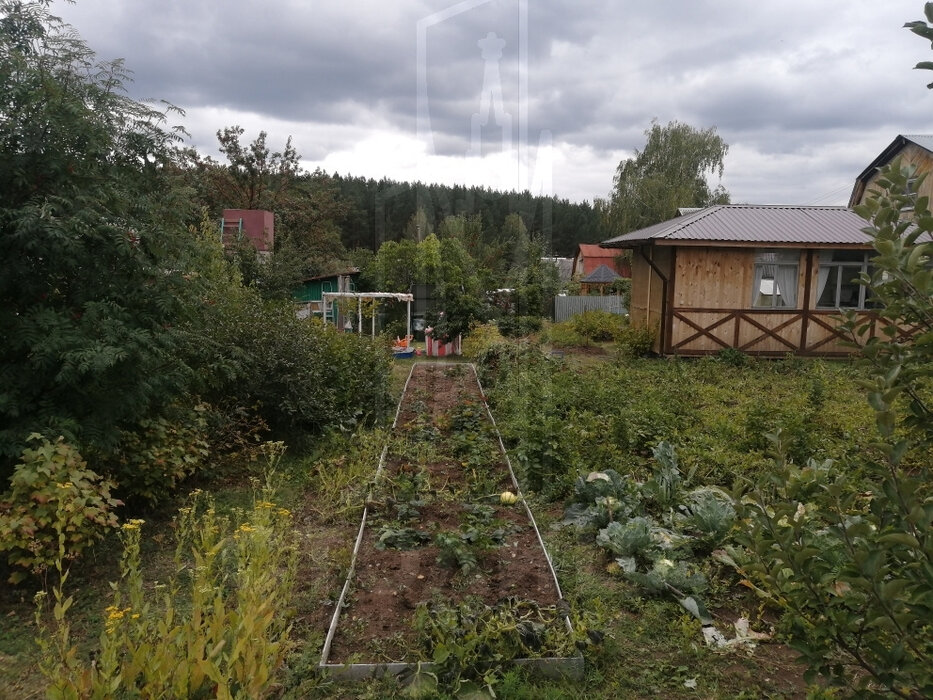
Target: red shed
x=590, y=256
x=256, y=225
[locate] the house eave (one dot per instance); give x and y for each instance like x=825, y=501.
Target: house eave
x=693, y=243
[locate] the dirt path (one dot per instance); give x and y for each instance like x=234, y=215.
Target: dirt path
x=436, y=529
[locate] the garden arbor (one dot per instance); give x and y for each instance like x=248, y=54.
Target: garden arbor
x=330, y=297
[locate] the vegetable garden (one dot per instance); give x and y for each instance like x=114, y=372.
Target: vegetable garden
x=449, y=567
x=633, y=468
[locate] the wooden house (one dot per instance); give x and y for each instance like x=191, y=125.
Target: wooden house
x=766, y=280
x=912, y=150
x=590, y=256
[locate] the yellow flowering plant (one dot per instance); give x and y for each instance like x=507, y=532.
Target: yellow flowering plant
x=227, y=640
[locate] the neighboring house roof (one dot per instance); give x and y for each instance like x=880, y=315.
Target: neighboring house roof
x=593, y=250
x=329, y=275
x=924, y=141
x=775, y=224
x=591, y=255
x=602, y=275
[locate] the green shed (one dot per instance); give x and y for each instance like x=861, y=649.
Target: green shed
x=309, y=294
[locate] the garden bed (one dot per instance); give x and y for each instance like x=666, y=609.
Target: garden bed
x=443, y=559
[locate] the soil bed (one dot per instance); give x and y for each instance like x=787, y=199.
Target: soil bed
x=436, y=533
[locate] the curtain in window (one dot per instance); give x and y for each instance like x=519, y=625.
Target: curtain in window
x=762, y=272
x=781, y=267
x=786, y=280
x=821, y=279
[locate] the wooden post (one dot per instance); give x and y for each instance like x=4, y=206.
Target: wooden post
x=408, y=323
x=805, y=305
x=667, y=305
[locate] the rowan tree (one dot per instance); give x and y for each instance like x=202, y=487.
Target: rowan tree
x=94, y=279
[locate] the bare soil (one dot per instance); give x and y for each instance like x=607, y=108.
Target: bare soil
x=389, y=584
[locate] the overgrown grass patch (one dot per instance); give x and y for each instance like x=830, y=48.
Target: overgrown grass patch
x=562, y=418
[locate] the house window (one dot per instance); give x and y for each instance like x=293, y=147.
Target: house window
x=775, y=284
x=837, y=286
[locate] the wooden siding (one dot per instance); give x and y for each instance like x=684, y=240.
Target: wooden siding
x=648, y=301
x=711, y=309
x=720, y=278
x=911, y=154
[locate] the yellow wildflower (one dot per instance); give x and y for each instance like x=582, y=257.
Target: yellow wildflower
x=116, y=613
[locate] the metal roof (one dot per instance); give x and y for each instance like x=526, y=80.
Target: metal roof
x=922, y=140
x=592, y=250
x=758, y=224
x=601, y=275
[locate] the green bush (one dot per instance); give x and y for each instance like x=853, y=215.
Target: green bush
x=564, y=335
x=299, y=374
x=636, y=341
x=501, y=360
x=55, y=502
x=733, y=357
x=519, y=326
x=155, y=458
x=480, y=339
x=597, y=325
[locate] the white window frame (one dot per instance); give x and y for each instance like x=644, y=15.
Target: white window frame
x=776, y=265
x=846, y=271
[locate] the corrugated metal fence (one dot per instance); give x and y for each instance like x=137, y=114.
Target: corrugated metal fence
x=565, y=307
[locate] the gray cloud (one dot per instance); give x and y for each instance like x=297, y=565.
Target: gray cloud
x=789, y=85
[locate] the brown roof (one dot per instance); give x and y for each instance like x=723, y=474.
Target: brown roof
x=925, y=141
x=591, y=255
x=807, y=226
x=593, y=250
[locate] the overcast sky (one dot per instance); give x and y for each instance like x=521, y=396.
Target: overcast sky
x=547, y=95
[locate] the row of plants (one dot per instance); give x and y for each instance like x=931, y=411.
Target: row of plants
x=447, y=541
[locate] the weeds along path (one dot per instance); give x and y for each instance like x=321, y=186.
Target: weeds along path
x=446, y=540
